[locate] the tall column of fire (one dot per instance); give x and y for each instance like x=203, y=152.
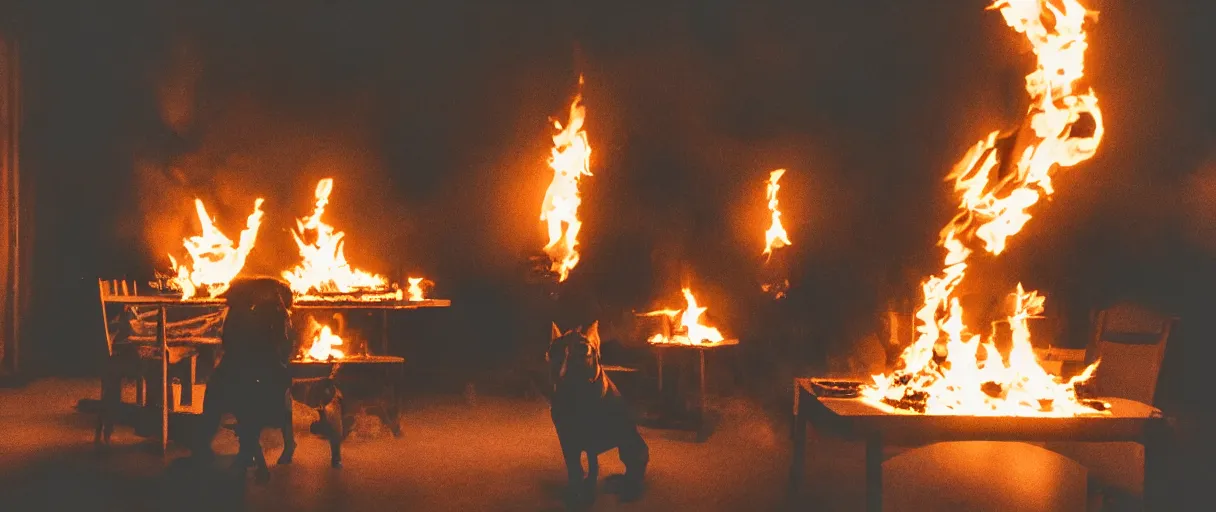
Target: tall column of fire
x=570, y=160
x=942, y=371
x=775, y=237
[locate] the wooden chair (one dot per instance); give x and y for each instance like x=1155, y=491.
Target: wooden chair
x=134, y=351
x=123, y=362
x=1130, y=340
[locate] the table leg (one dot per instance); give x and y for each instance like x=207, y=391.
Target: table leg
x=659, y=355
x=701, y=413
x=394, y=413
x=874, y=473
x=165, y=392
x=384, y=332
x=798, y=458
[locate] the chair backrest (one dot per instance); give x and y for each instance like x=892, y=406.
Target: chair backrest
x=1130, y=340
x=105, y=290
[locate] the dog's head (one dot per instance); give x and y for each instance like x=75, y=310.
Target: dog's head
x=574, y=355
x=259, y=305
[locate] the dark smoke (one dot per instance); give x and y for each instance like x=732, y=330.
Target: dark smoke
x=433, y=119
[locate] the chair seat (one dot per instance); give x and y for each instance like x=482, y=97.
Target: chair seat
x=177, y=354
x=191, y=340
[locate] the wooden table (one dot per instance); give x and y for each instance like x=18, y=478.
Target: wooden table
x=162, y=303
x=852, y=418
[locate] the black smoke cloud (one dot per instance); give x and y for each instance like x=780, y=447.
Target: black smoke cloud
x=433, y=117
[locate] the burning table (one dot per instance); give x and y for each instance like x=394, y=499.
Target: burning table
x=163, y=302
x=951, y=384
x=682, y=330
x=835, y=408
x=159, y=305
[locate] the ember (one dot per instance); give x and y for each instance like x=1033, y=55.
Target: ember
x=570, y=160
x=324, y=269
x=214, y=260
x=992, y=211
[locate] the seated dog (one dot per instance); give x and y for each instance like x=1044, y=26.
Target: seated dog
x=251, y=381
x=589, y=414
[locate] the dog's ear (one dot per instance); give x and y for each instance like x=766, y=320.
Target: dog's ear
x=555, y=333
x=593, y=335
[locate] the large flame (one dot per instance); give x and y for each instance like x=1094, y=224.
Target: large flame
x=214, y=259
x=323, y=267
x=775, y=237
x=570, y=160
x=944, y=371
x=690, y=330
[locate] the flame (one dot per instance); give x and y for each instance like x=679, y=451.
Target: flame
x=775, y=237
x=690, y=330
x=214, y=258
x=570, y=160
x=417, y=288
x=323, y=342
x=323, y=268
x=943, y=372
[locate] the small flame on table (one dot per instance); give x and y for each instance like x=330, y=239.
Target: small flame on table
x=417, y=288
x=690, y=330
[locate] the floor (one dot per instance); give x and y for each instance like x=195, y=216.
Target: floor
x=496, y=454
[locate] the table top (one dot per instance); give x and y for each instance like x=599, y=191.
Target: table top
x=1126, y=421
x=168, y=301
x=352, y=360
x=703, y=346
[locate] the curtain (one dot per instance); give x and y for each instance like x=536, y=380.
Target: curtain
x=13, y=264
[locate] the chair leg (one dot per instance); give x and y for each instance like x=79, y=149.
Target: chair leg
x=111, y=396
x=188, y=382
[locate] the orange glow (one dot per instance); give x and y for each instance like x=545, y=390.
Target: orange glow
x=570, y=161
x=945, y=371
x=775, y=237
x=323, y=269
x=214, y=259
x=690, y=330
